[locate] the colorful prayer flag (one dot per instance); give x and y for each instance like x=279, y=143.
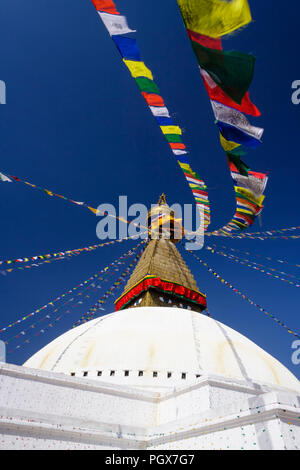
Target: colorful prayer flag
x=115, y=24
x=160, y=111
x=235, y=118
x=107, y=6
x=153, y=99
x=228, y=145
x=214, y=18
x=232, y=71
x=138, y=69
x=5, y=178
x=236, y=164
x=127, y=47
x=171, y=130
x=217, y=94
x=255, y=184
x=205, y=41
x=146, y=85
x=240, y=136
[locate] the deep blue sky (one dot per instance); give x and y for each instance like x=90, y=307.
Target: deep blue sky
x=76, y=123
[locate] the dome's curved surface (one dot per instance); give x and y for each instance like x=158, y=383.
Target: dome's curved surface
x=159, y=346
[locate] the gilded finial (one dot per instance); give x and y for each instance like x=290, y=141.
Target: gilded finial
x=162, y=200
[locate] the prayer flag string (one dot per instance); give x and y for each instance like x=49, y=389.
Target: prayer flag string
x=227, y=76
x=238, y=292
x=89, y=315
x=70, y=291
x=78, y=203
x=91, y=312
x=117, y=27
x=254, y=266
x=60, y=254
x=235, y=250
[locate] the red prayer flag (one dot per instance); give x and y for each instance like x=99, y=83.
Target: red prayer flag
x=244, y=217
x=205, y=41
x=198, y=191
x=107, y=6
x=153, y=99
x=217, y=94
x=232, y=166
x=177, y=146
x=260, y=176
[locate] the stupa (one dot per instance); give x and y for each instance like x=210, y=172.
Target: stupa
x=155, y=374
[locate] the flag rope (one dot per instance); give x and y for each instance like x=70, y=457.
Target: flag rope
x=238, y=292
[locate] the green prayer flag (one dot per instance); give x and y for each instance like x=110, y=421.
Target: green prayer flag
x=235, y=160
x=147, y=85
x=232, y=71
x=173, y=138
x=238, y=151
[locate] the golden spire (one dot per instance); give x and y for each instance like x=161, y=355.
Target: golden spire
x=161, y=277
x=162, y=200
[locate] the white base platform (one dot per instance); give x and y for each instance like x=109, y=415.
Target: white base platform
x=50, y=410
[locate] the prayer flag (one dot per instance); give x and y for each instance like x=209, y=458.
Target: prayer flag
x=240, y=136
x=159, y=111
x=171, y=130
x=232, y=71
x=146, y=85
x=107, y=6
x=215, y=18
x=5, y=178
x=138, y=69
x=115, y=24
x=127, y=47
x=217, y=94
x=153, y=99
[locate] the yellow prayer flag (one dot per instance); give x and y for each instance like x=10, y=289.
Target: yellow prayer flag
x=171, y=130
x=185, y=166
x=93, y=210
x=138, y=69
x=215, y=18
x=245, y=211
x=249, y=194
x=228, y=145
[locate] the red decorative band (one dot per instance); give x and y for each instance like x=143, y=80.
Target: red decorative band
x=162, y=286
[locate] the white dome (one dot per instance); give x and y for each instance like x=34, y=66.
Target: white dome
x=159, y=346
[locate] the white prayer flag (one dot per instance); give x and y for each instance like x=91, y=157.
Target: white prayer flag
x=207, y=78
x=4, y=178
x=235, y=118
x=160, y=111
x=254, y=184
x=115, y=24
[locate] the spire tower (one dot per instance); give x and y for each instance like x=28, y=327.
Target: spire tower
x=161, y=277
